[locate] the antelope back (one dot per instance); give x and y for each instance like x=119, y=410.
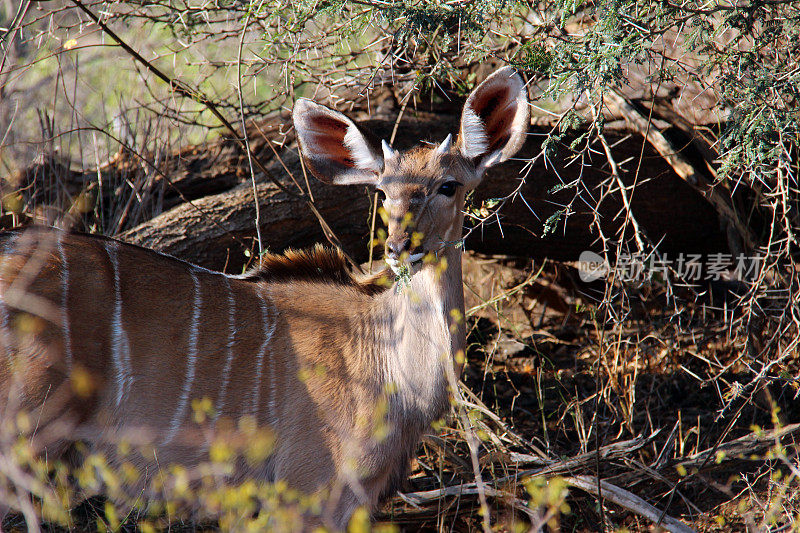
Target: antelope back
x=129, y=336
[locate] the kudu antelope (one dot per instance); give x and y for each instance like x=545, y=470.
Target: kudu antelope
x=301, y=344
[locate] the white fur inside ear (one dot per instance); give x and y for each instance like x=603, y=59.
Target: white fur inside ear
x=475, y=141
x=490, y=160
x=363, y=156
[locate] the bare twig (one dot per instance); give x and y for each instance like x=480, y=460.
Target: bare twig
x=245, y=134
x=629, y=501
x=737, y=448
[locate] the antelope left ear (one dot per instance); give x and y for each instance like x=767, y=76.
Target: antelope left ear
x=333, y=147
x=495, y=120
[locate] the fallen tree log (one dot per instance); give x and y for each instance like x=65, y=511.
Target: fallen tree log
x=216, y=230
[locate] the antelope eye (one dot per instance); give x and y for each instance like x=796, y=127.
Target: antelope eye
x=449, y=188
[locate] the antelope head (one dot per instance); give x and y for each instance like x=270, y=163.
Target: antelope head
x=424, y=188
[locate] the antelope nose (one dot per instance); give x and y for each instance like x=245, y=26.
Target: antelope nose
x=396, y=246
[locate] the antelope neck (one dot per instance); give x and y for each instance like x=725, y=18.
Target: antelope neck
x=416, y=337
x=442, y=289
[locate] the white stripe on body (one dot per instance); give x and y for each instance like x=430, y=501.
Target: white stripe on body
x=120, y=347
x=226, y=371
x=64, y=300
x=269, y=330
x=191, y=361
x=7, y=336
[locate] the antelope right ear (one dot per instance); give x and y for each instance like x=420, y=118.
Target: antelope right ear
x=332, y=146
x=495, y=119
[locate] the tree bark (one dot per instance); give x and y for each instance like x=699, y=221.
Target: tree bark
x=215, y=230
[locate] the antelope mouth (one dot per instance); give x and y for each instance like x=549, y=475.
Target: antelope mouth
x=415, y=258
x=411, y=260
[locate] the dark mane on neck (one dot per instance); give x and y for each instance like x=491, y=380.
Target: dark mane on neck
x=317, y=264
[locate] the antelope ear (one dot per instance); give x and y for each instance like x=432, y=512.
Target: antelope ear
x=332, y=146
x=495, y=119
